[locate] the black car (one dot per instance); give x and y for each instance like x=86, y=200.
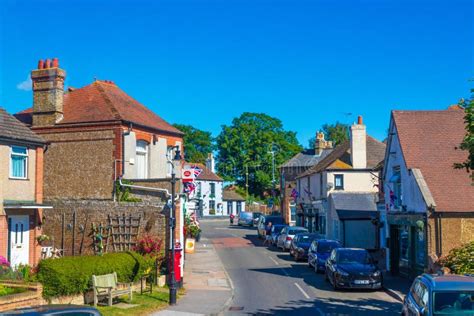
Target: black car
x=352, y=268
x=300, y=245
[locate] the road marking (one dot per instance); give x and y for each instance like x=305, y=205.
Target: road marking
x=301, y=290
x=320, y=312
x=274, y=261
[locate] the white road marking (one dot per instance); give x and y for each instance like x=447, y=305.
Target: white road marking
x=301, y=290
x=274, y=261
x=320, y=312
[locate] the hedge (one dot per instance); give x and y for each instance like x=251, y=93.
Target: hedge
x=461, y=260
x=73, y=275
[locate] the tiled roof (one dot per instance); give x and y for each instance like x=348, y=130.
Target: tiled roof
x=104, y=101
x=206, y=174
x=13, y=129
x=375, y=154
x=428, y=140
x=306, y=158
x=231, y=195
x=354, y=201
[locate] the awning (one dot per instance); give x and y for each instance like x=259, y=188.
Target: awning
x=354, y=214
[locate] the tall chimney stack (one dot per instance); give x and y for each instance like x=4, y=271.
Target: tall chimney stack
x=210, y=163
x=321, y=144
x=48, y=92
x=359, y=145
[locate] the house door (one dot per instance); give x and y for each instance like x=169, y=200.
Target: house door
x=19, y=227
x=394, y=250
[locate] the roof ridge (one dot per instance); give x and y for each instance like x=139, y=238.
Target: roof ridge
x=103, y=93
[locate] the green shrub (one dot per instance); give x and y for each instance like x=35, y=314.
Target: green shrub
x=461, y=260
x=73, y=275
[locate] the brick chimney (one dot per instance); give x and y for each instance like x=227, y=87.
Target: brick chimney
x=210, y=163
x=48, y=92
x=359, y=145
x=321, y=144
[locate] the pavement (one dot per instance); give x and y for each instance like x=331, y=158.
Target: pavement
x=208, y=289
x=396, y=287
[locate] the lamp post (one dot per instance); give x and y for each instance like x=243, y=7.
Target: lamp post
x=172, y=222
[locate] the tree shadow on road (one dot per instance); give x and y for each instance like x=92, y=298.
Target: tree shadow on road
x=333, y=306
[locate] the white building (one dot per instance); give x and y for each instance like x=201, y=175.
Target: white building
x=206, y=199
x=234, y=203
x=338, y=196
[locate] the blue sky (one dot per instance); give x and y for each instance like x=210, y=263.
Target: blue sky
x=203, y=62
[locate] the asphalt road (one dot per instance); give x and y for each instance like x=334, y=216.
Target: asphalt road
x=269, y=282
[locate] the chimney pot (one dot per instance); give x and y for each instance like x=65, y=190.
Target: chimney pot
x=47, y=63
x=40, y=64
x=359, y=120
x=55, y=62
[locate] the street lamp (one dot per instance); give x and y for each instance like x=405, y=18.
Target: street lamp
x=171, y=160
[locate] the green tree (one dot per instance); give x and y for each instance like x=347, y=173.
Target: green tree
x=246, y=145
x=337, y=133
x=468, y=141
x=197, y=143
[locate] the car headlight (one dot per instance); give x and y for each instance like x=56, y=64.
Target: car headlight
x=342, y=273
x=376, y=274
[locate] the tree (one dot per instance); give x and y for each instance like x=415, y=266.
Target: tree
x=468, y=141
x=197, y=143
x=245, y=145
x=337, y=133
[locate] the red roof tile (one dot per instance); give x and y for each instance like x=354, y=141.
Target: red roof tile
x=428, y=140
x=103, y=101
x=206, y=174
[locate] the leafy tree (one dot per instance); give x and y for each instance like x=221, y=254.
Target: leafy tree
x=245, y=145
x=337, y=133
x=468, y=142
x=197, y=143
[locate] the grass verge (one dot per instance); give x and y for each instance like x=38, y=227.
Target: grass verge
x=147, y=303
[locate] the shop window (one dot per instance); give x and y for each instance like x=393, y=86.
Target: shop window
x=19, y=162
x=404, y=246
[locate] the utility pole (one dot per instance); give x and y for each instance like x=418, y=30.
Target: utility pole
x=247, y=182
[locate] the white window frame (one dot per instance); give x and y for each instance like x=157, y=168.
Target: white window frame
x=139, y=151
x=21, y=155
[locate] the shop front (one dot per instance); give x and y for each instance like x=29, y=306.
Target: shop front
x=407, y=244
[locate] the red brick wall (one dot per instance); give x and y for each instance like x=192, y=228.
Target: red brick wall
x=3, y=236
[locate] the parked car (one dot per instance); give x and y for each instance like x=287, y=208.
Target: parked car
x=300, y=244
x=276, y=230
x=245, y=218
x=440, y=295
x=55, y=310
x=319, y=252
x=352, y=268
x=286, y=236
x=264, y=220
x=256, y=216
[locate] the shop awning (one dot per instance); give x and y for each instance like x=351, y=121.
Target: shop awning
x=355, y=214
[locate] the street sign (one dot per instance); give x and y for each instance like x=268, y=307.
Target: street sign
x=187, y=175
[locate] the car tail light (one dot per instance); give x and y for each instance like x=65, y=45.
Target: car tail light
x=288, y=238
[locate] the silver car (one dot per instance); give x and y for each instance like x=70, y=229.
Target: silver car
x=287, y=235
x=245, y=218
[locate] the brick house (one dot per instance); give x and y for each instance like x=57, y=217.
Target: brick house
x=338, y=196
x=429, y=205
x=21, y=191
x=295, y=166
x=97, y=134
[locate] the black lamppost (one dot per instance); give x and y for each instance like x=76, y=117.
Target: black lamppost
x=172, y=222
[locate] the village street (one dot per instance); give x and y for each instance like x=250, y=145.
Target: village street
x=268, y=281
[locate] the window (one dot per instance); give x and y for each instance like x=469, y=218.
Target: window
x=239, y=207
x=321, y=184
x=19, y=162
x=293, y=212
x=213, y=190
x=395, y=179
x=229, y=208
x=212, y=205
x=322, y=224
x=338, y=182
x=142, y=159
x=198, y=189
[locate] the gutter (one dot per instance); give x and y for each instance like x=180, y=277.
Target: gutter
x=139, y=187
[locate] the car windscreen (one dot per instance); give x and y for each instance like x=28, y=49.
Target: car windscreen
x=256, y=215
x=245, y=215
x=297, y=231
x=453, y=303
x=353, y=256
x=277, y=229
x=306, y=238
x=274, y=220
x=326, y=247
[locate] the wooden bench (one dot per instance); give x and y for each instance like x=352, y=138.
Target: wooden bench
x=107, y=286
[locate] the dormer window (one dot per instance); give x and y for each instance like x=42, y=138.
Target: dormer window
x=18, y=162
x=142, y=159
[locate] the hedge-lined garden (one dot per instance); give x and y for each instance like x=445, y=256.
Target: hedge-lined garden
x=73, y=275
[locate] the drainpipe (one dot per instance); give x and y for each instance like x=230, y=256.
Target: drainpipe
x=139, y=187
